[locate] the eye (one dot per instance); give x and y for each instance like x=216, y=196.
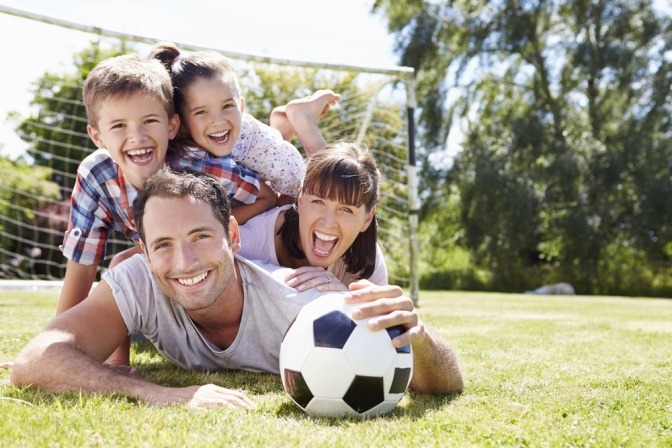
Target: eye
x=317, y=201
x=346, y=209
x=151, y=120
x=118, y=126
x=202, y=236
x=160, y=246
x=199, y=112
x=228, y=106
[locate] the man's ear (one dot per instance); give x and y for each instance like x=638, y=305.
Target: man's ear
x=173, y=126
x=369, y=219
x=143, y=248
x=95, y=136
x=234, y=235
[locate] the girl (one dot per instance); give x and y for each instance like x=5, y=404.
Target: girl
x=208, y=100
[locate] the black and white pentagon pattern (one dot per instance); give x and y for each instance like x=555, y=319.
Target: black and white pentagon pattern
x=333, y=365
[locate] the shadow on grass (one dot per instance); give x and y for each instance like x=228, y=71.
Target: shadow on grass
x=414, y=408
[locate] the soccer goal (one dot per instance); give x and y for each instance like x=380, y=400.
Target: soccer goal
x=376, y=109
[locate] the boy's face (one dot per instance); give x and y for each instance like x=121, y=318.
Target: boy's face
x=213, y=114
x=135, y=130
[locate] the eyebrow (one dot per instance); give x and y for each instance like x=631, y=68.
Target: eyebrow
x=161, y=239
x=228, y=100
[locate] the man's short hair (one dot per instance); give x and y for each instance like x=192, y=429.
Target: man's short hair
x=179, y=184
x=123, y=76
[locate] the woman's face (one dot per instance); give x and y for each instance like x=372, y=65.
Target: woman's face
x=328, y=228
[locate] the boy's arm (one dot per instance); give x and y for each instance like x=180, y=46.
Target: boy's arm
x=76, y=285
x=266, y=199
x=68, y=357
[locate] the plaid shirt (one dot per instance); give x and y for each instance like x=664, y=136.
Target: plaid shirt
x=102, y=200
x=241, y=184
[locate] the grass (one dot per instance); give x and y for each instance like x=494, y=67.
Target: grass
x=540, y=371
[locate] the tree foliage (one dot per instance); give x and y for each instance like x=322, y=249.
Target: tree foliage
x=566, y=108
x=57, y=137
x=56, y=131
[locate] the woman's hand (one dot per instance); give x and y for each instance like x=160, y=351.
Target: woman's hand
x=307, y=277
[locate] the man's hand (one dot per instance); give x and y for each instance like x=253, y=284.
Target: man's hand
x=392, y=308
x=436, y=368
x=205, y=397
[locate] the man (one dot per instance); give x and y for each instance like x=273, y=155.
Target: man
x=202, y=307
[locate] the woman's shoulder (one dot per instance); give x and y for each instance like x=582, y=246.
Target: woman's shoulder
x=269, y=217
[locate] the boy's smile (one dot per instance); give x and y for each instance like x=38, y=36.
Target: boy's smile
x=136, y=131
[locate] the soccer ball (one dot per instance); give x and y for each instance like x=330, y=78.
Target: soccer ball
x=332, y=365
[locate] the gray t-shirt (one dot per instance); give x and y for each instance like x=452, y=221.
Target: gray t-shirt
x=269, y=308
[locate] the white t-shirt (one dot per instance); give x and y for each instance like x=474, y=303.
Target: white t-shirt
x=257, y=240
x=269, y=308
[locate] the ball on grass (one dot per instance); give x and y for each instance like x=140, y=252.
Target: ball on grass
x=333, y=365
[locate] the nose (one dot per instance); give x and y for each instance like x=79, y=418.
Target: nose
x=219, y=116
x=187, y=259
x=137, y=134
x=329, y=217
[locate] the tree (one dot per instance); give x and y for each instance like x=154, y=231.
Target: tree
x=56, y=132
x=25, y=191
x=566, y=110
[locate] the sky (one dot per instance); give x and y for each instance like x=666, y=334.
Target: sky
x=332, y=31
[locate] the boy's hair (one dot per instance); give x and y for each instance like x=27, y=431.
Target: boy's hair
x=347, y=173
x=185, y=69
x=123, y=76
x=180, y=183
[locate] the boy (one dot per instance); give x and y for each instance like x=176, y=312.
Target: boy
x=129, y=105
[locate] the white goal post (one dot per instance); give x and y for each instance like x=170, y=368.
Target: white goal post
x=377, y=108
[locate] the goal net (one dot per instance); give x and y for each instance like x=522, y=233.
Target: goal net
x=37, y=174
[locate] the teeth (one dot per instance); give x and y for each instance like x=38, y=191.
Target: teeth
x=139, y=152
x=324, y=236
x=219, y=134
x=192, y=281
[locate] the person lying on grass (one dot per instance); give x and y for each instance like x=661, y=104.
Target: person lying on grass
x=203, y=307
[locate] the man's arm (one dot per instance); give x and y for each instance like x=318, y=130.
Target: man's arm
x=68, y=356
x=436, y=368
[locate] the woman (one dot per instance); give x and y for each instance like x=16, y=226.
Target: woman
x=329, y=235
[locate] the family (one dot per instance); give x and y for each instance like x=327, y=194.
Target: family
x=234, y=233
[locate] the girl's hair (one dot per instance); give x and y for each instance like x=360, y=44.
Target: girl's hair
x=184, y=70
x=347, y=173
x=123, y=76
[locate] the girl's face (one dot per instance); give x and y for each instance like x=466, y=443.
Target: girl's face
x=213, y=113
x=328, y=228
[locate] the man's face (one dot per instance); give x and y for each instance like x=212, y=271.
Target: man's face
x=136, y=131
x=189, y=252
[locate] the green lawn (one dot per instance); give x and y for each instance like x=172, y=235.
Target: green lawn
x=539, y=371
